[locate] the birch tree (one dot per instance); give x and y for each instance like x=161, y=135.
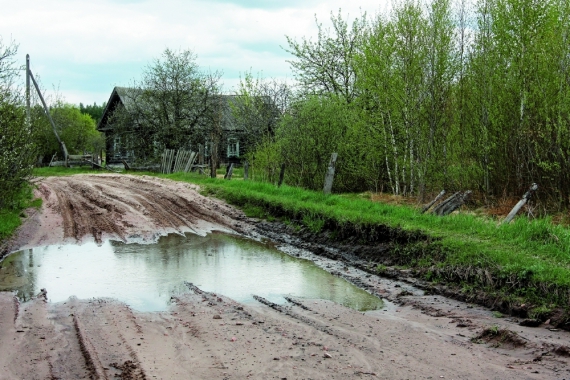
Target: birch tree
x=326, y=66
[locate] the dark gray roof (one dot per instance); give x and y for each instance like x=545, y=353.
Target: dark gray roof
x=127, y=95
x=119, y=95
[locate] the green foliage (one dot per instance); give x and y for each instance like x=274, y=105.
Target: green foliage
x=314, y=128
x=256, y=108
x=17, y=150
x=9, y=221
x=95, y=111
x=76, y=129
x=469, y=95
x=308, y=136
x=497, y=314
x=10, y=216
x=540, y=312
x=265, y=160
x=313, y=223
x=326, y=66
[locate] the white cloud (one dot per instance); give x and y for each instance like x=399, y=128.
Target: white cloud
x=86, y=47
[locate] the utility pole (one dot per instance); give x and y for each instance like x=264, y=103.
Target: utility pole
x=29, y=76
x=28, y=88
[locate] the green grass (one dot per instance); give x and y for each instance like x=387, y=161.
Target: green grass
x=237, y=173
x=63, y=171
x=11, y=217
x=525, y=260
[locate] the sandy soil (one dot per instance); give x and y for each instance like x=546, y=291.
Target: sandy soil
x=208, y=336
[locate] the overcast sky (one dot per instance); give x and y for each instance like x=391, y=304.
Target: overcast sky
x=84, y=48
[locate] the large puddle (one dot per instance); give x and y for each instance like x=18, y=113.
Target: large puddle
x=146, y=276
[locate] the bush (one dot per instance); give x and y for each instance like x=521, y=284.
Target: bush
x=17, y=151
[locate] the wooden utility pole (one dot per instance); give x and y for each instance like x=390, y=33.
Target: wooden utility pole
x=28, y=114
x=61, y=143
x=329, y=177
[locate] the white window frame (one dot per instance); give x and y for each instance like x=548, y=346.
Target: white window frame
x=233, y=147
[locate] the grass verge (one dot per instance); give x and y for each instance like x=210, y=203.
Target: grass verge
x=522, y=266
x=11, y=217
x=63, y=171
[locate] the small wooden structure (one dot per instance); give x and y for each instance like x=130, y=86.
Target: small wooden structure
x=452, y=203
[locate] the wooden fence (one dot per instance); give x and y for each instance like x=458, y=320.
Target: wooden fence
x=174, y=162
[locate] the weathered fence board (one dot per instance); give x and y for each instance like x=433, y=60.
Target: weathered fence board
x=281, y=175
x=452, y=203
x=229, y=172
x=426, y=207
x=190, y=162
x=167, y=161
x=521, y=203
x=329, y=177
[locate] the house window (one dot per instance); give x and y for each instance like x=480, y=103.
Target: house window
x=233, y=147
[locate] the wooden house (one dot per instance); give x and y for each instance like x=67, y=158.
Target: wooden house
x=233, y=141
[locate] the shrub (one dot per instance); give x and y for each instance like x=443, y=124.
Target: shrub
x=17, y=151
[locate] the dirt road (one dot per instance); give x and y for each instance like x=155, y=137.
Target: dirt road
x=208, y=336
x=120, y=207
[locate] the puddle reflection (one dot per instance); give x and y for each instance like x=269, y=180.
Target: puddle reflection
x=146, y=276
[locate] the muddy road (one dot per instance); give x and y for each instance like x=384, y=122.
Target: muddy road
x=119, y=207
x=208, y=336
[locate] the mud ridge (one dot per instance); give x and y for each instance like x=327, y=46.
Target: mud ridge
x=81, y=208
x=288, y=312
x=499, y=337
x=89, y=354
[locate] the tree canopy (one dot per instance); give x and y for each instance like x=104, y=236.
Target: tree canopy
x=450, y=94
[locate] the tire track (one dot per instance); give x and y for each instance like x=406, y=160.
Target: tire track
x=118, y=207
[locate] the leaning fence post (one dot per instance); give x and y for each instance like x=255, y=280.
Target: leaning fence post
x=521, y=203
x=229, y=172
x=329, y=177
x=245, y=170
x=281, y=175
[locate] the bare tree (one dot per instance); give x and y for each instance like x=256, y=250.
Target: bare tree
x=8, y=68
x=258, y=105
